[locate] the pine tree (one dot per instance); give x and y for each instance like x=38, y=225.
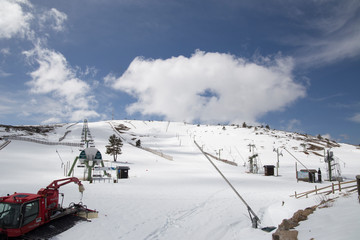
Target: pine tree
x=114, y=147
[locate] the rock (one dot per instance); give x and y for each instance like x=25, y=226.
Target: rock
x=285, y=235
x=287, y=224
x=302, y=215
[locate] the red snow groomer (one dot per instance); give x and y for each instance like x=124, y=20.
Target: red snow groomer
x=23, y=212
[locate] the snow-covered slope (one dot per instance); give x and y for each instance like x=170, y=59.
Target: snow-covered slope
x=182, y=198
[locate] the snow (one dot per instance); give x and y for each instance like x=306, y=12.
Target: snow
x=185, y=198
x=339, y=221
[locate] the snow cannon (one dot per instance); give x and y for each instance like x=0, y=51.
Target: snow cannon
x=81, y=188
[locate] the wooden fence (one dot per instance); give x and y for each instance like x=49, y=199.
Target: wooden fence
x=163, y=155
x=339, y=186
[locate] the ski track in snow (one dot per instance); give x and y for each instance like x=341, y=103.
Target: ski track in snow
x=174, y=219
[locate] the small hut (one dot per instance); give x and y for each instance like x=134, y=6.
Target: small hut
x=269, y=170
x=307, y=175
x=122, y=172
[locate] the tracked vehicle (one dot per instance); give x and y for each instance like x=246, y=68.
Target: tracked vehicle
x=22, y=212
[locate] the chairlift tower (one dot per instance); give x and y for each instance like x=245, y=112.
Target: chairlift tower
x=333, y=165
x=253, y=165
x=86, y=137
x=89, y=156
x=278, y=162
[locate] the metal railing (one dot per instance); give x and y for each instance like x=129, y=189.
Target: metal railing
x=18, y=138
x=2, y=146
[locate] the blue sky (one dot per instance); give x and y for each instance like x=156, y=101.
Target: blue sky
x=294, y=65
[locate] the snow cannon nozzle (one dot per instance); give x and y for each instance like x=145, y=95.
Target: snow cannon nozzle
x=81, y=188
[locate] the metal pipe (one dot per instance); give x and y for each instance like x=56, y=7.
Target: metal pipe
x=254, y=218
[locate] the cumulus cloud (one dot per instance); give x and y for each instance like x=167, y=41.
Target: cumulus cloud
x=15, y=19
x=19, y=19
x=55, y=77
x=208, y=87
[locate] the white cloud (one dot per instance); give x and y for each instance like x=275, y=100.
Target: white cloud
x=6, y=104
x=4, y=74
x=55, y=77
x=20, y=19
x=210, y=87
x=355, y=118
x=345, y=136
x=83, y=114
x=293, y=125
x=14, y=20
x=57, y=91
x=5, y=51
x=53, y=18
x=327, y=136
x=51, y=121
x=334, y=33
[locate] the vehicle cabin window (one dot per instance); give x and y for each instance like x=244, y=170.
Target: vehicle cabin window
x=9, y=215
x=31, y=211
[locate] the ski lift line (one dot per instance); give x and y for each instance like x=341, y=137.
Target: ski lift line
x=60, y=157
x=167, y=127
x=117, y=132
x=240, y=154
x=234, y=160
x=296, y=159
x=129, y=122
x=158, y=153
x=254, y=218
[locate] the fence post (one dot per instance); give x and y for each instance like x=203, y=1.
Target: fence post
x=315, y=189
x=358, y=186
x=333, y=189
x=339, y=186
x=296, y=195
